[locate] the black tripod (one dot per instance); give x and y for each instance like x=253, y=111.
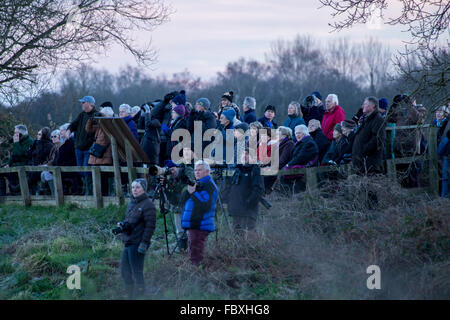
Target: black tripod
x=160, y=191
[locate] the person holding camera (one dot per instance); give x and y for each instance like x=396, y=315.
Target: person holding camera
x=247, y=187
x=199, y=211
x=137, y=229
x=180, y=176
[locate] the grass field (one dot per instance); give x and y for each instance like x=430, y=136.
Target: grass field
x=313, y=246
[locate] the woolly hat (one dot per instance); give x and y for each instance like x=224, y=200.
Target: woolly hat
x=142, y=182
x=243, y=125
x=229, y=114
x=338, y=128
x=383, y=104
x=317, y=95
x=269, y=107
x=169, y=164
x=180, y=110
x=106, y=104
x=228, y=95
x=348, y=124
x=204, y=102
x=180, y=99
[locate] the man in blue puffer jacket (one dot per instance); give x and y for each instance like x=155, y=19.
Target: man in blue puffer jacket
x=199, y=211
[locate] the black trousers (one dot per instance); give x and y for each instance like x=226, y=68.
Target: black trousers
x=132, y=269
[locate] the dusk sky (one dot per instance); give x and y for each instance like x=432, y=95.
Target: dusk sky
x=204, y=35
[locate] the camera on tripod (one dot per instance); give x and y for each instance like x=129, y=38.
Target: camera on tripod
x=158, y=171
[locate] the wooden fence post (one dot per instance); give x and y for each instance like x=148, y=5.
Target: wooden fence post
x=433, y=161
x=311, y=178
x=57, y=182
x=391, y=169
x=117, y=180
x=131, y=171
x=24, y=187
x=97, y=187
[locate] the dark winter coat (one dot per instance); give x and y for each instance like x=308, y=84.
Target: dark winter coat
x=132, y=126
x=19, y=154
x=247, y=186
x=141, y=214
x=208, y=122
x=315, y=112
x=368, y=145
x=40, y=151
x=337, y=151
x=266, y=123
x=223, y=130
x=322, y=142
x=305, y=152
x=199, y=209
x=151, y=139
x=65, y=156
x=178, y=123
x=83, y=139
x=292, y=121
x=285, y=151
x=249, y=116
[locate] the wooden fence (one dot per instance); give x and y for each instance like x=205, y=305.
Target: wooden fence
x=98, y=201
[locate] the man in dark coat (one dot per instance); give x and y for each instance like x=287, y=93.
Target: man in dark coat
x=151, y=140
x=249, y=107
x=368, y=145
x=267, y=119
x=83, y=140
x=319, y=137
x=201, y=112
x=306, y=152
x=247, y=186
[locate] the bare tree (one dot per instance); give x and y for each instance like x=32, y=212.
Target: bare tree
x=427, y=23
x=375, y=61
x=344, y=56
x=42, y=34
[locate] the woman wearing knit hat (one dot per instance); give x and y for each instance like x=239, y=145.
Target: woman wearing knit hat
x=180, y=100
x=136, y=231
x=226, y=103
x=177, y=122
x=226, y=123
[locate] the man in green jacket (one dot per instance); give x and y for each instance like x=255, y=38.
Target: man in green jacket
x=83, y=139
x=21, y=143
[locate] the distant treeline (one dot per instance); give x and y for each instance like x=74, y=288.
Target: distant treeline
x=292, y=71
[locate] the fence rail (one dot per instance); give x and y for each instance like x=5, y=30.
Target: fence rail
x=97, y=200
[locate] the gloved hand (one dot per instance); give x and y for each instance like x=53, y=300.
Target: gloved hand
x=142, y=248
x=146, y=108
x=165, y=129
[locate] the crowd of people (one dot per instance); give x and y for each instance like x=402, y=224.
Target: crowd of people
x=316, y=132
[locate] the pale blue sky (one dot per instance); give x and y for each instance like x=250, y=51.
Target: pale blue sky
x=203, y=35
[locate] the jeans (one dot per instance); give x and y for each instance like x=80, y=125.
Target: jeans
x=132, y=269
x=82, y=157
